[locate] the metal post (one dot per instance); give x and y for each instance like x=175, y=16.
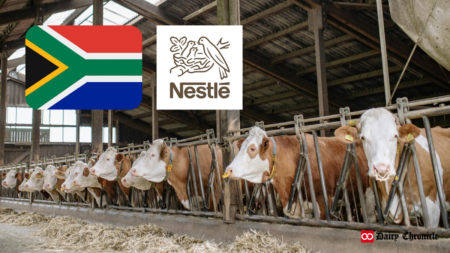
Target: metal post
x=437, y=176
x=110, y=128
x=77, y=141
x=155, y=125
x=4, y=74
x=35, y=135
x=97, y=115
x=426, y=216
x=228, y=14
x=387, y=86
x=322, y=177
x=317, y=23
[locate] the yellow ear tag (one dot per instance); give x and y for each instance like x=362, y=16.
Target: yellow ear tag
x=410, y=137
x=352, y=123
x=63, y=188
x=349, y=137
x=225, y=175
x=169, y=168
x=396, y=178
x=73, y=184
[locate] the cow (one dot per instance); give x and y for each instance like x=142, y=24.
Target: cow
x=110, y=167
x=68, y=175
x=141, y=183
x=383, y=138
x=35, y=181
x=254, y=163
x=83, y=180
x=52, y=184
x=12, y=179
x=154, y=167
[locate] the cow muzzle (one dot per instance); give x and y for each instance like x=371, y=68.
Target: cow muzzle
x=5, y=184
x=92, y=171
x=124, y=182
x=134, y=173
x=46, y=186
x=381, y=171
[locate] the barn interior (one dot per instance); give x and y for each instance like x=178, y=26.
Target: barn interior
x=295, y=62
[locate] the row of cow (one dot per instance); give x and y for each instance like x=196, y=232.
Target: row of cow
x=378, y=138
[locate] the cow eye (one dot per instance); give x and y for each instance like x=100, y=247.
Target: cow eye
x=252, y=149
x=107, y=159
x=153, y=155
x=396, y=136
x=76, y=174
x=362, y=138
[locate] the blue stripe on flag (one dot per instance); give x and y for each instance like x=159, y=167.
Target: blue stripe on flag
x=103, y=96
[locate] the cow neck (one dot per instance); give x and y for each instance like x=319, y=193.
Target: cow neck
x=274, y=158
x=169, y=166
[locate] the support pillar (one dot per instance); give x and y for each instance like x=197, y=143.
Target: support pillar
x=77, y=141
x=36, y=135
x=110, y=128
x=228, y=14
x=317, y=23
x=117, y=132
x=155, y=125
x=97, y=115
x=3, y=105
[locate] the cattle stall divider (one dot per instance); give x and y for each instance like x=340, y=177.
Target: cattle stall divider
x=346, y=207
x=352, y=217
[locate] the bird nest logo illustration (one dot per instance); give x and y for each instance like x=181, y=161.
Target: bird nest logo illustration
x=202, y=57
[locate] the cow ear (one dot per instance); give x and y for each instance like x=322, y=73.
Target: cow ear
x=346, y=133
x=60, y=175
x=39, y=175
x=27, y=176
x=86, y=172
x=119, y=157
x=408, y=132
x=98, y=156
x=93, y=162
x=265, y=143
x=163, y=153
x=239, y=143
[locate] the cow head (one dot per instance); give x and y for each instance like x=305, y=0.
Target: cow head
x=136, y=182
x=62, y=172
x=50, y=180
x=35, y=181
x=106, y=164
x=254, y=159
x=153, y=164
x=68, y=184
x=82, y=176
x=379, y=130
x=10, y=179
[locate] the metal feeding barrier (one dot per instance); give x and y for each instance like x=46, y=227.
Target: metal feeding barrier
x=347, y=207
x=314, y=198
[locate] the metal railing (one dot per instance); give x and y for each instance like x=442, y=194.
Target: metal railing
x=344, y=207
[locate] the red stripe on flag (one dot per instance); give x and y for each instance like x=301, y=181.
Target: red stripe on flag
x=103, y=39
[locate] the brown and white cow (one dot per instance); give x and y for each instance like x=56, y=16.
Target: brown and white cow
x=141, y=183
x=111, y=167
x=379, y=130
x=12, y=179
x=52, y=184
x=254, y=163
x=154, y=164
x=68, y=175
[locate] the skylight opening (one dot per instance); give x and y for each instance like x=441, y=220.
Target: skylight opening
x=17, y=54
x=58, y=18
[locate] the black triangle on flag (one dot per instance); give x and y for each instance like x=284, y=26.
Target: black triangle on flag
x=37, y=67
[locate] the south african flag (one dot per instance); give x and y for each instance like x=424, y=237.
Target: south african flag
x=83, y=67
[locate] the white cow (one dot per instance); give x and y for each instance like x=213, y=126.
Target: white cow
x=84, y=180
x=10, y=180
x=36, y=180
x=52, y=184
x=105, y=167
x=69, y=176
x=383, y=139
x=136, y=182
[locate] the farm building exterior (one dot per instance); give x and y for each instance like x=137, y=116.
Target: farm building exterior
x=309, y=66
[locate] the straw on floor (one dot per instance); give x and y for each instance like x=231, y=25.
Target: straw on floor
x=68, y=233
